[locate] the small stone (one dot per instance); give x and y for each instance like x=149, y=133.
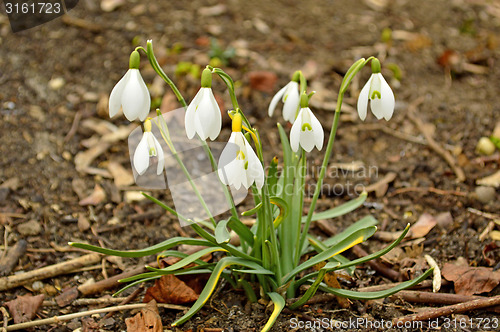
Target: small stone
x=485, y=194
x=37, y=285
x=485, y=146
x=29, y=228
x=56, y=83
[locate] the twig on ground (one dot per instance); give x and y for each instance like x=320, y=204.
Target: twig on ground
x=376, y=265
x=431, y=142
x=390, y=131
x=112, y=281
x=126, y=300
x=484, y=214
x=5, y=242
x=425, y=190
x=451, y=309
x=9, y=262
x=80, y=23
x=48, y=271
x=58, y=319
x=74, y=126
x=435, y=298
x=5, y=318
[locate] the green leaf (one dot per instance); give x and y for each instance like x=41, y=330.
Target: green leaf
x=314, y=287
x=279, y=304
x=363, y=223
x=136, y=283
x=252, y=211
x=320, y=247
x=349, y=242
x=212, y=283
x=244, y=233
x=284, y=210
x=233, y=250
x=287, y=150
x=339, y=210
x=186, y=261
x=376, y=295
x=175, y=241
x=222, y=235
x=272, y=177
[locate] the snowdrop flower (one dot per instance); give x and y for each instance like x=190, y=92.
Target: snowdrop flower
x=238, y=163
x=203, y=115
x=306, y=130
x=379, y=93
x=131, y=93
x=148, y=147
x=289, y=94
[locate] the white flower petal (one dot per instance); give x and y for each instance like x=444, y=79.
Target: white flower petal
x=147, y=105
x=115, y=98
x=388, y=102
x=134, y=101
x=211, y=116
x=160, y=155
x=255, y=170
x=275, y=100
x=190, y=117
x=363, y=100
x=319, y=135
x=291, y=104
x=295, y=132
x=141, y=155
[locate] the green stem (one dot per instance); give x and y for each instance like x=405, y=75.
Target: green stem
x=159, y=71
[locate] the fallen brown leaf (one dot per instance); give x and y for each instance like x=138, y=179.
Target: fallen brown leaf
x=24, y=308
x=423, y=226
x=264, y=81
x=170, y=289
x=98, y=196
x=471, y=280
x=147, y=320
x=122, y=176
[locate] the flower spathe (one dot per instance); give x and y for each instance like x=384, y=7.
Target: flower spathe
x=203, y=116
x=148, y=147
x=131, y=93
x=306, y=132
x=238, y=163
x=381, y=98
x=289, y=94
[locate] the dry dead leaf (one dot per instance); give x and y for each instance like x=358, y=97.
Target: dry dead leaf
x=83, y=222
x=436, y=280
x=491, y=181
x=170, y=289
x=380, y=187
x=24, y=308
x=98, y=196
x=264, y=81
x=122, y=176
x=147, y=320
x=85, y=158
x=471, y=280
x=423, y=226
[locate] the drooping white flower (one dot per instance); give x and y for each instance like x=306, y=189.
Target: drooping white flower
x=131, y=93
x=306, y=131
x=148, y=147
x=238, y=163
x=289, y=94
x=203, y=116
x=380, y=95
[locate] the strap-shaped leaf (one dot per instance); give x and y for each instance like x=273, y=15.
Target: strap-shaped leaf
x=314, y=287
x=284, y=208
x=349, y=242
x=339, y=210
x=222, y=235
x=212, y=283
x=279, y=304
x=243, y=231
x=188, y=260
x=363, y=223
x=320, y=247
x=252, y=211
x=233, y=250
x=376, y=295
x=165, y=245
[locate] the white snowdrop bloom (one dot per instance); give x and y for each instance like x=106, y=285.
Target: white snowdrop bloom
x=148, y=147
x=306, y=132
x=238, y=163
x=203, y=116
x=131, y=93
x=380, y=95
x=289, y=94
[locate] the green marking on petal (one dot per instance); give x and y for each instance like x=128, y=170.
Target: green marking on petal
x=376, y=94
x=306, y=126
x=246, y=165
x=152, y=151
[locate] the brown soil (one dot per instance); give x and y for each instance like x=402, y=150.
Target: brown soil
x=431, y=42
